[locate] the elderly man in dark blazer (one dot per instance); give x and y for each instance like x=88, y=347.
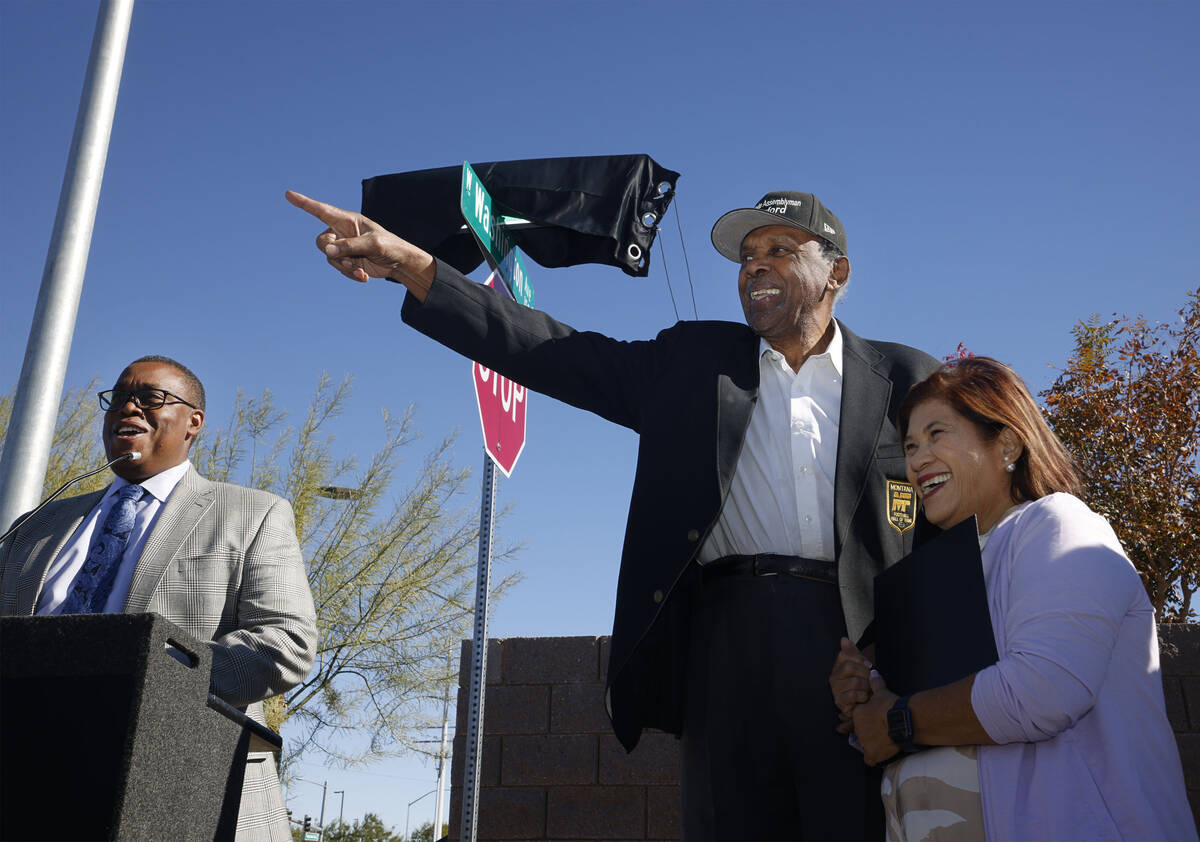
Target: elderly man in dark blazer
x=219, y=560
x=769, y=492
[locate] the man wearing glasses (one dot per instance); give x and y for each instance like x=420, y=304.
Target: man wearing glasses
x=219, y=560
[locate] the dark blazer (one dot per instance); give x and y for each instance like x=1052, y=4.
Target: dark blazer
x=689, y=394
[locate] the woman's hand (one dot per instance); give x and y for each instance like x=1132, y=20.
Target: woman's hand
x=850, y=682
x=870, y=723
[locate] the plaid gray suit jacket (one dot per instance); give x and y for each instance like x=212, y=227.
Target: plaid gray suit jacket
x=222, y=562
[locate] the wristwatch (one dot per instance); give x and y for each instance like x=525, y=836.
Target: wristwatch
x=900, y=726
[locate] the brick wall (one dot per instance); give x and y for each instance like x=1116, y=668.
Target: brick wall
x=551, y=768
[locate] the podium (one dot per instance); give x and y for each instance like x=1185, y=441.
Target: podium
x=108, y=731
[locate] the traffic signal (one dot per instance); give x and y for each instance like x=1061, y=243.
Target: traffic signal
x=308, y=822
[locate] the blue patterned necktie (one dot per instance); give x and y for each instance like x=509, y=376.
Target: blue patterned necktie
x=94, y=582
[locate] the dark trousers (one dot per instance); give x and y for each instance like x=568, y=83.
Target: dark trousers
x=760, y=757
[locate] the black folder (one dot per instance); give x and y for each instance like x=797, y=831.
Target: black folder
x=932, y=625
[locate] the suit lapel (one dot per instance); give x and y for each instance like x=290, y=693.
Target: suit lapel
x=737, y=393
x=865, y=396
x=48, y=535
x=192, y=497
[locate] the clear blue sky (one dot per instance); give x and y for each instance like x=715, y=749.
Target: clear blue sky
x=1003, y=170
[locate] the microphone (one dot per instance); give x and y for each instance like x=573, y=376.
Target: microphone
x=131, y=456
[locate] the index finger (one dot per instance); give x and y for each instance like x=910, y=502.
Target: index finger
x=329, y=214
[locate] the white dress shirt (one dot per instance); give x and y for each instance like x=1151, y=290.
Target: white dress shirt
x=781, y=496
x=61, y=575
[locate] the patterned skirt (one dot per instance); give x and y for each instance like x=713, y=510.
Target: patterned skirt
x=933, y=796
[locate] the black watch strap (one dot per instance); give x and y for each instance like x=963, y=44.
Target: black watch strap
x=900, y=726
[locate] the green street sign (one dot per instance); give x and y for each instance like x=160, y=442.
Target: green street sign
x=491, y=232
x=312, y=836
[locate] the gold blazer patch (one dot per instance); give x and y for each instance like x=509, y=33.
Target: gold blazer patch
x=901, y=505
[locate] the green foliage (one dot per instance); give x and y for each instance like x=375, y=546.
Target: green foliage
x=424, y=833
x=75, y=448
x=370, y=829
x=392, y=570
x=1127, y=406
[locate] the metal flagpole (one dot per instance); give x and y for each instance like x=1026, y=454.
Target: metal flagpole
x=31, y=426
x=474, y=741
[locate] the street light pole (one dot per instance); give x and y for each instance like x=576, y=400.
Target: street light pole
x=441, y=776
x=324, y=788
x=342, y=805
x=408, y=813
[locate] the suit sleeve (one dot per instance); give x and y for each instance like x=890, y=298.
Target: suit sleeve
x=8, y=578
x=585, y=369
x=273, y=646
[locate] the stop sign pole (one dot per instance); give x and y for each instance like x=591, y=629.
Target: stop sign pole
x=502, y=417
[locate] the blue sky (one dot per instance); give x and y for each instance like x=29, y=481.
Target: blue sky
x=1002, y=170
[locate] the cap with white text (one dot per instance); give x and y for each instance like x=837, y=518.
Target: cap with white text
x=783, y=207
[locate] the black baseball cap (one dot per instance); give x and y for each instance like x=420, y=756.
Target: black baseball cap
x=783, y=207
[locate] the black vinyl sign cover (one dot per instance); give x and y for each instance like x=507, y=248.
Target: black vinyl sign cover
x=585, y=209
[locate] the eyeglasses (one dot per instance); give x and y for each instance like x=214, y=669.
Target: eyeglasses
x=142, y=398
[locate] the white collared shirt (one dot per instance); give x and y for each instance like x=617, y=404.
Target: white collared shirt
x=63, y=570
x=781, y=496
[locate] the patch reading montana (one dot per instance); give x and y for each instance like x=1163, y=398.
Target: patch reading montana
x=901, y=505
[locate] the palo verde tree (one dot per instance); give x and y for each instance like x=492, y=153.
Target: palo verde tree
x=392, y=571
x=75, y=446
x=1127, y=406
x=390, y=556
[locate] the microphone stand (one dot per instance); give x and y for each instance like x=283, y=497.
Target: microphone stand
x=133, y=454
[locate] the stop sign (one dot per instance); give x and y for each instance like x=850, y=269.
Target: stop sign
x=501, y=413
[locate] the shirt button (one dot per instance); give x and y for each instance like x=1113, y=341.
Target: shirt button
x=804, y=469
x=658, y=596
x=808, y=518
x=693, y=535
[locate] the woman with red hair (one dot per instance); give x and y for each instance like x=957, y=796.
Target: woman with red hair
x=1066, y=736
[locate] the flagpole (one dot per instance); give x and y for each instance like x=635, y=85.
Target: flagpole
x=39, y=389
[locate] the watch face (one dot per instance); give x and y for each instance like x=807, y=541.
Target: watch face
x=899, y=726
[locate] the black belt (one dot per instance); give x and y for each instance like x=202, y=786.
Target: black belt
x=771, y=564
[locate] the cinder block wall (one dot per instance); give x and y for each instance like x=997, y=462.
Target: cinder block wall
x=551, y=768
x=1179, y=646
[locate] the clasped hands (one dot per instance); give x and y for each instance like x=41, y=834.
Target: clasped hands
x=863, y=701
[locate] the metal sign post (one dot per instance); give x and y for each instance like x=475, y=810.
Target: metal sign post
x=505, y=259
x=474, y=741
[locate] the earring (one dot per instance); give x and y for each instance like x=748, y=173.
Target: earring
x=1011, y=466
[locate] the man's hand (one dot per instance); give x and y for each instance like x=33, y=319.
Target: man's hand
x=850, y=682
x=870, y=723
x=362, y=249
